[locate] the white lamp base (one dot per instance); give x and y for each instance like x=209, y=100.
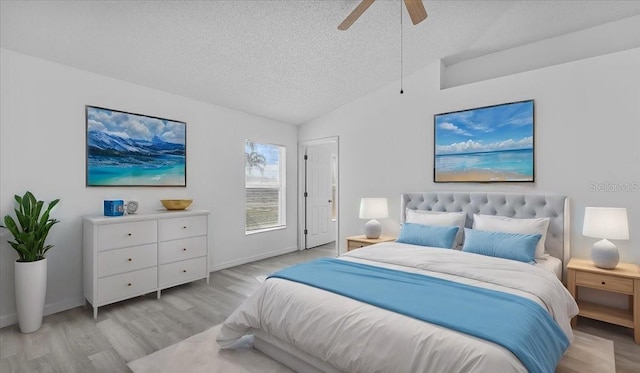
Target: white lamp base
x=604, y=254
x=372, y=229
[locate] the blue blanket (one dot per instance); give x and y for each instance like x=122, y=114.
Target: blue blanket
x=516, y=323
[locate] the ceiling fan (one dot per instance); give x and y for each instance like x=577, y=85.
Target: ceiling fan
x=414, y=7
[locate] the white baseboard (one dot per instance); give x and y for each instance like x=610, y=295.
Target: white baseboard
x=49, y=309
x=8, y=320
x=250, y=259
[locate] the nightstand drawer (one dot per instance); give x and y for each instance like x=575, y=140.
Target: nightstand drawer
x=356, y=242
x=356, y=245
x=605, y=282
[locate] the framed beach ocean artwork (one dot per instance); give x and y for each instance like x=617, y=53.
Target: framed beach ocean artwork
x=127, y=149
x=486, y=144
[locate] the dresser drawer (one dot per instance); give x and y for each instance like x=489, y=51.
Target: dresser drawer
x=127, y=284
x=184, y=271
x=112, y=262
x=176, y=228
x=186, y=248
x=114, y=236
x=604, y=282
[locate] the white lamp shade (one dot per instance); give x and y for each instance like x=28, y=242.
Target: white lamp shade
x=373, y=208
x=606, y=222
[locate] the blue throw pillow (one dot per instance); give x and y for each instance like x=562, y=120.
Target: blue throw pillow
x=514, y=246
x=428, y=235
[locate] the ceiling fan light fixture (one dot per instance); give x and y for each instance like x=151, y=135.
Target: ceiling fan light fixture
x=416, y=11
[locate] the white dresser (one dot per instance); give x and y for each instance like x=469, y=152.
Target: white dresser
x=132, y=255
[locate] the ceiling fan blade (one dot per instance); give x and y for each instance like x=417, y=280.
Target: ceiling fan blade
x=416, y=10
x=355, y=14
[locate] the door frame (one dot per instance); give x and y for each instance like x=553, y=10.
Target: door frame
x=302, y=213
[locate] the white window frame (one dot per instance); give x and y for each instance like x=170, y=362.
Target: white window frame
x=282, y=192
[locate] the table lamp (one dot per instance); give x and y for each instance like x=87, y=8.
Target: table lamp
x=373, y=208
x=606, y=223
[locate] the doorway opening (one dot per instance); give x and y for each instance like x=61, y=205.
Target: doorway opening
x=319, y=194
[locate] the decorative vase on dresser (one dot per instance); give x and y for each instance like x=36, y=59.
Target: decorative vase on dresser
x=128, y=256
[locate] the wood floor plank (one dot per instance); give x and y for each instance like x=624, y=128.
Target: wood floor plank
x=626, y=351
x=238, y=275
x=36, y=344
x=128, y=345
x=13, y=363
x=64, y=342
x=43, y=364
x=9, y=344
x=107, y=362
x=177, y=301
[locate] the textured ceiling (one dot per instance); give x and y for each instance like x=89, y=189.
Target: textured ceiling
x=284, y=60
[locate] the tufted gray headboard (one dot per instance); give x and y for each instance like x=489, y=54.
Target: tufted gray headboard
x=516, y=205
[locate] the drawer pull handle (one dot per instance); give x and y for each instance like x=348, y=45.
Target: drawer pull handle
x=184, y=249
x=129, y=284
x=185, y=227
x=130, y=259
x=129, y=234
x=184, y=271
x=602, y=282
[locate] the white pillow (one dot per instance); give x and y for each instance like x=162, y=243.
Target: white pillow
x=439, y=218
x=494, y=223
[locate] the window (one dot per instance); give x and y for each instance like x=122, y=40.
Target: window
x=264, y=186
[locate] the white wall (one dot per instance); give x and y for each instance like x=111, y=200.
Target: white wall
x=595, y=41
x=42, y=139
x=587, y=128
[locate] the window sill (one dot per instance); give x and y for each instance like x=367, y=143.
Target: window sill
x=248, y=233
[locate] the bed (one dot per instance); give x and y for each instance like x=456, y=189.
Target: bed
x=313, y=330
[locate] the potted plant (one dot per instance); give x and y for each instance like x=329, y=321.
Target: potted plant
x=30, y=234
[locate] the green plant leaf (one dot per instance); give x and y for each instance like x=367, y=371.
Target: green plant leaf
x=32, y=227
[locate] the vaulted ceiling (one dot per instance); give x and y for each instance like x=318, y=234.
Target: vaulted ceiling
x=279, y=59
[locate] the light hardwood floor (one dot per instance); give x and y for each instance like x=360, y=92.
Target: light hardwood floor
x=72, y=341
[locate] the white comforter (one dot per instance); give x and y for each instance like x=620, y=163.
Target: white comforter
x=357, y=337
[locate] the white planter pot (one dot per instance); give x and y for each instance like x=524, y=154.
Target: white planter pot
x=31, y=290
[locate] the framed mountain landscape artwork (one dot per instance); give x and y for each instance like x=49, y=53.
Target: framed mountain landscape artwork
x=127, y=149
x=486, y=144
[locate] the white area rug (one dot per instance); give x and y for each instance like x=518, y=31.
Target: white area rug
x=200, y=353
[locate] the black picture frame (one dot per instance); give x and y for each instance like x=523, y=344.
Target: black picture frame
x=125, y=149
x=486, y=144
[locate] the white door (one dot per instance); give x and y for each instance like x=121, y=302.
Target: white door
x=319, y=175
